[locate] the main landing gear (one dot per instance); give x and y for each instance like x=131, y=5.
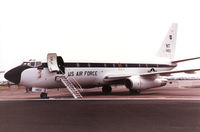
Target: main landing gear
x=107, y=89
x=43, y=95
x=134, y=92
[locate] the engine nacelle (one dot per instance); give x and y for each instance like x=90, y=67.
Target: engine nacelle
x=137, y=82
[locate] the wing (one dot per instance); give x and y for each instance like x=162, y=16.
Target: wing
x=167, y=73
x=115, y=77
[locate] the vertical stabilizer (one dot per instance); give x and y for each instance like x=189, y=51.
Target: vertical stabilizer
x=168, y=46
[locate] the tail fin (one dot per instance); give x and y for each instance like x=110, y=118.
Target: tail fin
x=168, y=46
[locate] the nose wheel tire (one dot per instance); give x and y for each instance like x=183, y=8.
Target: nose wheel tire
x=43, y=96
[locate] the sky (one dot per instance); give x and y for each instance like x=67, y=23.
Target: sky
x=95, y=29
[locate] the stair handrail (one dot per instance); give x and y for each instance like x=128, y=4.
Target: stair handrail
x=76, y=82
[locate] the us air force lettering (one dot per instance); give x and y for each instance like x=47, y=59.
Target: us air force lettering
x=83, y=73
x=136, y=76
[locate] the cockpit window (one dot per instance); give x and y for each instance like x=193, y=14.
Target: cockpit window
x=32, y=63
x=25, y=63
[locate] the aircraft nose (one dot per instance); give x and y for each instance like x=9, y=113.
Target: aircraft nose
x=14, y=75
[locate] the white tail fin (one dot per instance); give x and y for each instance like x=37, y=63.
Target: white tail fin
x=168, y=46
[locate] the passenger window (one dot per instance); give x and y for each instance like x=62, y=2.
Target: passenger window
x=83, y=64
x=109, y=65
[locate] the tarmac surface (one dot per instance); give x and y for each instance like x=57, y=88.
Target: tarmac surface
x=100, y=116
x=167, y=109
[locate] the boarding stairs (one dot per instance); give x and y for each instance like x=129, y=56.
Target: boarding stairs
x=71, y=84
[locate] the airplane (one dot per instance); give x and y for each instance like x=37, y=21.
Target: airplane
x=136, y=76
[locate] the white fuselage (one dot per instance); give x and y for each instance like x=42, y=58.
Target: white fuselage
x=87, y=77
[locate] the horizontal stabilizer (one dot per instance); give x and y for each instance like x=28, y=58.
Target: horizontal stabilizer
x=177, y=61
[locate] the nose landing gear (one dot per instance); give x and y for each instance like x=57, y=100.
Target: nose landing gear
x=42, y=91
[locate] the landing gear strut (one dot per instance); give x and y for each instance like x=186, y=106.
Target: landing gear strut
x=106, y=89
x=43, y=95
x=134, y=92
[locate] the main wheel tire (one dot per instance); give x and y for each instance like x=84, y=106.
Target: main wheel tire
x=134, y=92
x=43, y=96
x=107, y=90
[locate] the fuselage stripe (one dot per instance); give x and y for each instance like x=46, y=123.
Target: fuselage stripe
x=113, y=65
